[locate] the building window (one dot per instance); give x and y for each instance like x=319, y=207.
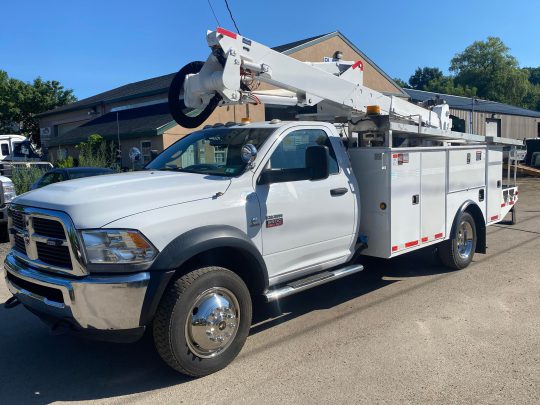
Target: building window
x=220, y=154
x=146, y=151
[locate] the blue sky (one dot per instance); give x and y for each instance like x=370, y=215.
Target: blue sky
x=93, y=46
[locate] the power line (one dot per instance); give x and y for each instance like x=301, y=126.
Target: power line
x=232, y=18
x=213, y=12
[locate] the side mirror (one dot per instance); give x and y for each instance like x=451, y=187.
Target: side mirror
x=248, y=153
x=317, y=159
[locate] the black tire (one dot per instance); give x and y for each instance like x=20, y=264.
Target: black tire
x=177, y=106
x=452, y=252
x=170, y=326
x=513, y=219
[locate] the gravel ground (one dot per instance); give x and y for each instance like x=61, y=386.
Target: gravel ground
x=403, y=331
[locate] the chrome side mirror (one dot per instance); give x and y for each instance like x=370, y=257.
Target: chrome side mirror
x=249, y=153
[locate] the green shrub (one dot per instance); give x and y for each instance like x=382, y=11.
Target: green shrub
x=24, y=176
x=97, y=152
x=65, y=163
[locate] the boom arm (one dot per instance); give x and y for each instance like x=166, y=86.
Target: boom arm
x=236, y=61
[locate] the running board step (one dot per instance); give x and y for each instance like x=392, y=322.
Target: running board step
x=312, y=281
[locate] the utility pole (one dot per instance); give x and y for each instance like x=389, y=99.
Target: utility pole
x=471, y=129
x=118, y=137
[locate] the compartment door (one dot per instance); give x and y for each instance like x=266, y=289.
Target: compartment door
x=405, y=206
x=494, y=184
x=433, y=196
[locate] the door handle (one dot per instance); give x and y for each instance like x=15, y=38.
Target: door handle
x=338, y=191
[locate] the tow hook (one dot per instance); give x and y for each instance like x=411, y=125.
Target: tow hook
x=11, y=303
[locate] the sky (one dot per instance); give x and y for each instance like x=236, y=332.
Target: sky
x=94, y=46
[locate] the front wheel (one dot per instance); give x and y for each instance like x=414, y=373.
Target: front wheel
x=203, y=321
x=457, y=253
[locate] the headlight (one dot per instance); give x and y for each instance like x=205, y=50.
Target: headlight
x=9, y=192
x=109, y=246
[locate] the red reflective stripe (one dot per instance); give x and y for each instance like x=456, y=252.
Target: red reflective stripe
x=228, y=33
x=395, y=155
x=425, y=239
x=511, y=203
x=438, y=235
x=493, y=218
x=358, y=63
x=503, y=205
x=411, y=243
x=394, y=248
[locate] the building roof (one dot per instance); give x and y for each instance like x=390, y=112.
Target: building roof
x=149, y=120
x=148, y=87
x=466, y=103
x=158, y=85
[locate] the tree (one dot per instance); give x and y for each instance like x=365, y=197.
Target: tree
x=488, y=66
x=20, y=102
x=422, y=76
x=534, y=75
x=446, y=85
x=401, y=83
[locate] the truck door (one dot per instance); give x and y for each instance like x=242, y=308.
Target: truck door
x=305, y=222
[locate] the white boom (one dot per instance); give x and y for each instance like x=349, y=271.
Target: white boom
x=336, y=86
x=236, y=59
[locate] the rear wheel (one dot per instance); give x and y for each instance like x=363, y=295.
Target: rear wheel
x=457, y=253
x=203, y=321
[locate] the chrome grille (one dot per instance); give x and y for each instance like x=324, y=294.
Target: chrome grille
x=18, y=219
x=45, y=239
x=19, y=244
x=55, y=255
x=48, y=227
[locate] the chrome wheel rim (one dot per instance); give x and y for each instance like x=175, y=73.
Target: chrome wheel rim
x=465, y=240
x=213, y=322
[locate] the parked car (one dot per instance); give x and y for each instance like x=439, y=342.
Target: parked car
x=58, y=175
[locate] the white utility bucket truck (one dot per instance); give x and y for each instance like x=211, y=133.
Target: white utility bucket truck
x=237, y=210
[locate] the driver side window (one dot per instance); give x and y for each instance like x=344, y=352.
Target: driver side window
x=291, y=152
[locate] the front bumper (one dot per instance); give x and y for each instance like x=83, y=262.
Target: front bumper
x=93, y=303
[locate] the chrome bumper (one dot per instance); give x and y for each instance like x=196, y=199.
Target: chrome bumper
x=92, y=302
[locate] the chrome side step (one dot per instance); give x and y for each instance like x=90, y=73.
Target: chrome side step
x=312, y=281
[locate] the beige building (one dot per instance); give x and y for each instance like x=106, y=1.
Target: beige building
x=137, y=114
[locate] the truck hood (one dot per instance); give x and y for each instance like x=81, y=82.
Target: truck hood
x=93, y=202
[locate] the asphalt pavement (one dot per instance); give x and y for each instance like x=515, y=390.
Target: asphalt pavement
x=403, y=331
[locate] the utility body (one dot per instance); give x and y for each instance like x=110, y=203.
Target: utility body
x=240, y=210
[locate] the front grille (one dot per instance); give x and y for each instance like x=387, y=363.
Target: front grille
x=19, y=244
x=18, y=219
x=55, y=255
x=48, y=227
x=51, y=294
x=39, y=237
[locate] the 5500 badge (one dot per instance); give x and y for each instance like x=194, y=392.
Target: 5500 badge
x=274, y=220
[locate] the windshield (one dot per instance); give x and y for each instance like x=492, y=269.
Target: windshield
x=214, y=151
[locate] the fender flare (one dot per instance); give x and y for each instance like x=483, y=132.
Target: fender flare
x=473, y=208
x=199, y=240
x=187, y=246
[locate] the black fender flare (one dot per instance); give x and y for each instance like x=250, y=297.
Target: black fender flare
x=205, y=238
x=188, y=245
x=472, y=208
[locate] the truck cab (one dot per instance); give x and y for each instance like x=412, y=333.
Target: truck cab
x=17, y=148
